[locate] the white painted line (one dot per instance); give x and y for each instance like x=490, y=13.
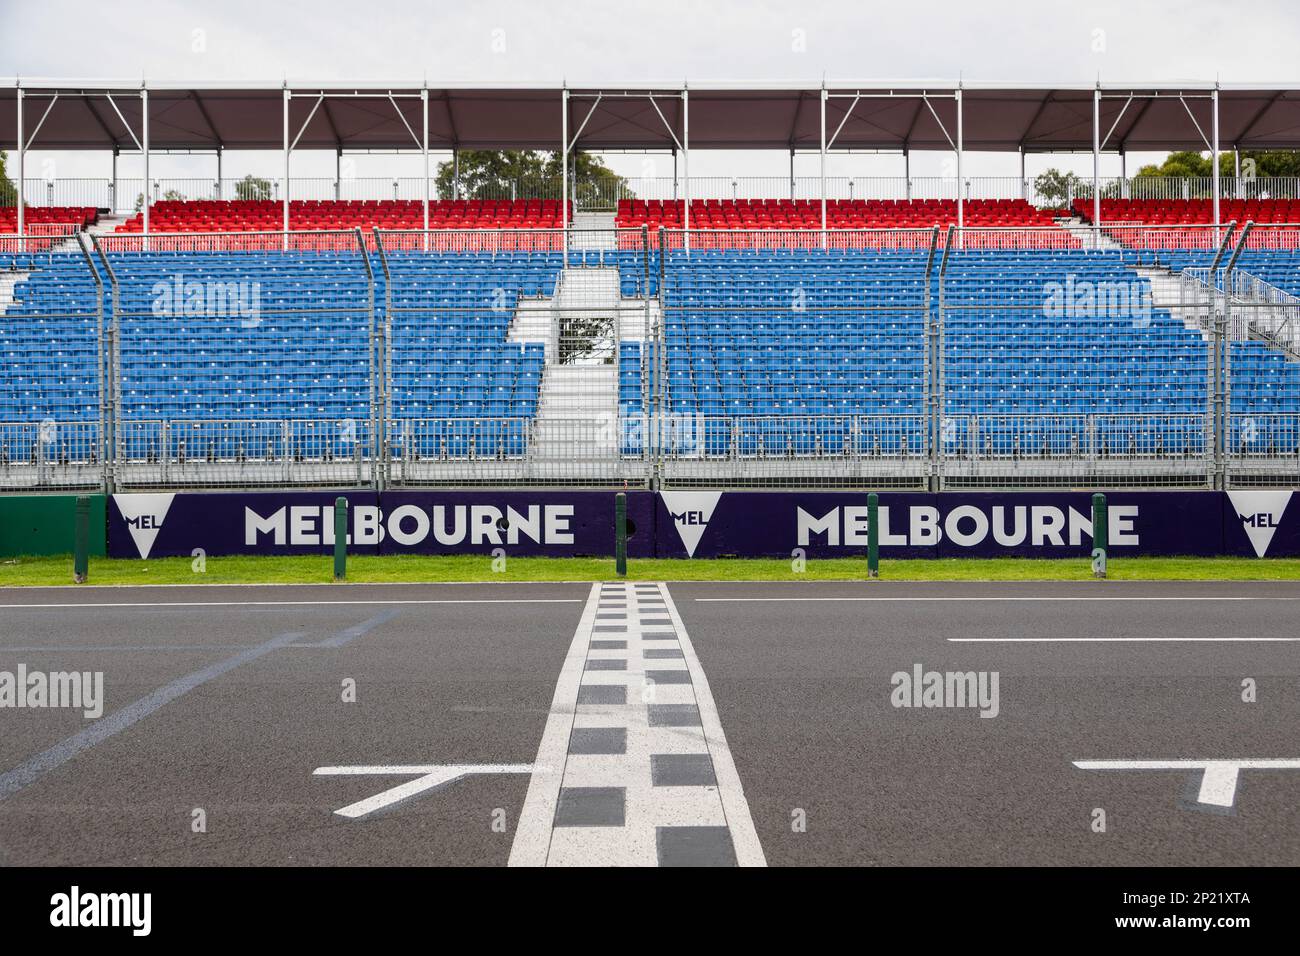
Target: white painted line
x=1121, y=640
x=32, y=770
x=428, y=777
x=1219, y=776
x=959, y=599
x=532, y=841
x=75, y=606
x=646, y=776
x=749, y=852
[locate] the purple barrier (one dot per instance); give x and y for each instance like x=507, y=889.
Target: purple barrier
x=559, y=524
x=706, y=524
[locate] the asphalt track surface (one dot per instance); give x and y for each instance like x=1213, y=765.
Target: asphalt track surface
x=228, y=699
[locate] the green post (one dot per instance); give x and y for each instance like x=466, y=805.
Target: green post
x=873, y=536
x=340, y=538
x=81, y=541
x=620, y=534
x=1100, y=535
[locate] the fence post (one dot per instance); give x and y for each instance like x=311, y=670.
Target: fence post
x=620, y=534
x=81, y=541
x=1100, y=535
x=873, y=536
x=340, y=538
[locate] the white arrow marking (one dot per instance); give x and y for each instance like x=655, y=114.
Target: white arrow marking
x=428, y=777
x=1218, y=779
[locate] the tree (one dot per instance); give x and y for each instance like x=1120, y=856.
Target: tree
x=527, y=174
x=8, y=194
x=252, y=188
x=1255, y=165
x=1059, y=189
x=171, y=195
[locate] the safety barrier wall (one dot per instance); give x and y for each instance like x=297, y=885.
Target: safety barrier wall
x=706, y=524
x=44, y=524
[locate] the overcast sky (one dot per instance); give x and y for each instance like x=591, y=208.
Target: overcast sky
x=623, y=43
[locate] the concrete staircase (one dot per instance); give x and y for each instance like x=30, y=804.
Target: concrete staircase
x=1087, y=237
x=1167, y=292
x=577, y=410
x=106, y=224
x=581, y=238
x=577, y=415
x=8, y=282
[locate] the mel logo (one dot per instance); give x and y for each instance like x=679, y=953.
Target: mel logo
x=690, y=511
x=144, y=516
x=1260, y=513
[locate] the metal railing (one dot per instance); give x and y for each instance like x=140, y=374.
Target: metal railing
x=127, y=194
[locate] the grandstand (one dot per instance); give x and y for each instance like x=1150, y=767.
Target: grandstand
x=907, y=342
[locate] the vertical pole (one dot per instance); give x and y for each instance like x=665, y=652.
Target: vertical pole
x=1096, y=168
x=792, y=196
x=144, y=148
x=1100, y=535
x=961, y=187
x=218, y=172
x=1123, y=173
x=112, y=192
x=1237, y=191
x=620, y=534
x=674, y=174
x=873, y=535
x=81, y=541
x=424, y=146
x=22, y=163
x=455, y=172
x=823, y=163
x=686, y=165
x=907, y=173
x=564, y=171
x=285, y=237
x=340, y=538
x=338, y=173
x=1214, y=153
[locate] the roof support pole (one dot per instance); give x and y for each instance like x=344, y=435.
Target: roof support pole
x=1024, y=184
x=961, y=181
x=424, y=147
x=1096, y=168
x=144, y=150
x=564, y=171
x=218, y=172
x=686, y=164
x=1237, y=191
x=284, y=239
x=822, y=173
x=792, y=173
x=338, y=173
x=112, y=188
x=907, y=173
x=1214, y=152
x=22, y=162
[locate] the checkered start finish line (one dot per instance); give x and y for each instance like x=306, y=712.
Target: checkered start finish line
x=633, y=767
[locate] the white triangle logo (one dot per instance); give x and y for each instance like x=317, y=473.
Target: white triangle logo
x=144, y=516
x=690, y=511
x=1260, y=512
